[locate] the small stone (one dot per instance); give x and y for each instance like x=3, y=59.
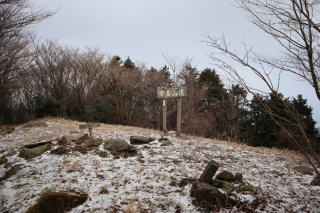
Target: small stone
x=79, y=149
x=238, y=177
x=227, y=176
x=185, y=181
x=138, y=140
x=91, y=143
x=166, y=143
x=3, y=160
x=59, y=151
x=304, y=170
x=102, y=154
x=316, y=181
x=11, y=153
x=12, y=171
x=63, y=141
x=82, y=139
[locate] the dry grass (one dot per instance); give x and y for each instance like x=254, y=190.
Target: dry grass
x=186, y=157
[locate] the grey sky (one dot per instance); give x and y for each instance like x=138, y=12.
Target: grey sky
x=144, y=29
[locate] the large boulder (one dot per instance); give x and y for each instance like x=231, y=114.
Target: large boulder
x=91, y=143
x=316, y=181
x=57, y=202
x=226, y=176
x=208, y=195
x=137, y=140
x=118, y=146
x=82, y=139
x=64, y=140
x=33, y=150
x=224, y=185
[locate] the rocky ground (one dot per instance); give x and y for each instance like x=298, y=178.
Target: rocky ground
x=155, y=176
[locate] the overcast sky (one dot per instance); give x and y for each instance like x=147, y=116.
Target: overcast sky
x=144, y=29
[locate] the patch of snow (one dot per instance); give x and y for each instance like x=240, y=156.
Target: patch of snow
x=143, y=182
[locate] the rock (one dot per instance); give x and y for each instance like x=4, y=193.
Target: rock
x=59, y=151
x=224, y=185
x=304, y=170
x=79, y=149
x=185, y=181
x=12, y=171
x=238, y=177
x=82, y=139
x=3, y=160
x=91, y=143
x=209, y=172
x=102, y=154
x=166, y=143
x=34, y=150
x=137, y=140
x=209, y=195
x=118, y=146
x=57, y=202
x=316, y=181
x=11, y=153
x=64, y=140
x=226, y=176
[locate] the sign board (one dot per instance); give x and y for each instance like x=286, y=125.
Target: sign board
x=88, y=125
x=164, y=93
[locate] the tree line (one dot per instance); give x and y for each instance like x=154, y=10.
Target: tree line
x=40, y=79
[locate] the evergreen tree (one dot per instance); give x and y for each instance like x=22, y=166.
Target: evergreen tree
x=129, y=64
x=215, y=92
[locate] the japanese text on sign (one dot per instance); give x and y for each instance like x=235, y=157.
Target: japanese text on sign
x=163, y=93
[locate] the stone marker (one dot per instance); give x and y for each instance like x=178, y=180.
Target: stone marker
x=89, y=126
x=209, y=172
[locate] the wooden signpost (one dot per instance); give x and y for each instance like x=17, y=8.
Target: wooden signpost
x=89, y=126
x=167, y=93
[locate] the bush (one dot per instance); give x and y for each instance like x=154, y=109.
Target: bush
x=102, y=110
x=49, y=107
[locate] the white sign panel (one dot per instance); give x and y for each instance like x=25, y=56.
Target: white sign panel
x=164, y=93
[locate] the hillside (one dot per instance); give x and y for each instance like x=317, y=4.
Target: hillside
x=148, y=181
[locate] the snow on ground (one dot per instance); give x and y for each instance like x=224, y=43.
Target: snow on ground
x=142, y=183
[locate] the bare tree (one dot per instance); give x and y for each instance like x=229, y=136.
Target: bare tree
x=15, y=16
x=295, y=26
